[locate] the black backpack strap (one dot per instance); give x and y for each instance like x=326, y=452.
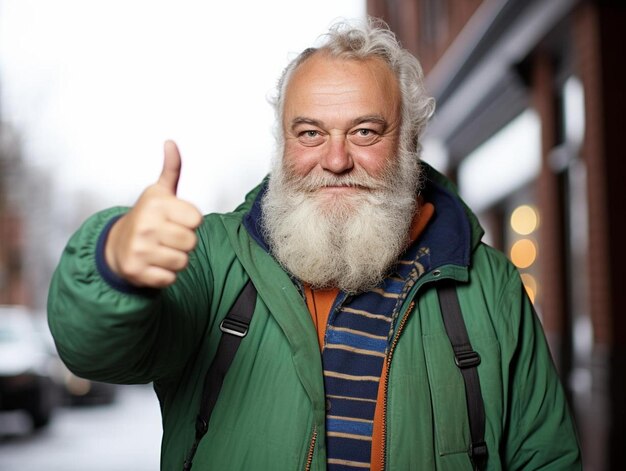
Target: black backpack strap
x=234, y=328
x=467, y=360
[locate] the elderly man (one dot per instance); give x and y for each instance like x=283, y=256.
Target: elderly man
x=347, y=363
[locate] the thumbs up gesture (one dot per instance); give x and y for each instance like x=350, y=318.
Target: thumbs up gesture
x=150, y=244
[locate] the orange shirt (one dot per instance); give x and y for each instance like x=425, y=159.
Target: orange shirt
x=320, y=303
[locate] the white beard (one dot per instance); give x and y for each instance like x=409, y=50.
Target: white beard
x=341, y=241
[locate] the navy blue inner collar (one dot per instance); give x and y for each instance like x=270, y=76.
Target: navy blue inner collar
x=253, y=219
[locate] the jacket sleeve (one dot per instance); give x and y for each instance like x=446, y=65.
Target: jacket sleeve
x=107, y=333
x=540, y=432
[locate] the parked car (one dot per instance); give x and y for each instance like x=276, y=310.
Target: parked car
x=25, y=380
x=81, y=391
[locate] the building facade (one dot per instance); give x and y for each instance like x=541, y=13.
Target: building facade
x=13, y=286
x=529, y=118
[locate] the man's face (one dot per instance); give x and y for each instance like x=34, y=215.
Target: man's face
x=341, y=119
x=340, y=201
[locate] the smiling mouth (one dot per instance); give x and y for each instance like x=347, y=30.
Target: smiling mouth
x=344, y=187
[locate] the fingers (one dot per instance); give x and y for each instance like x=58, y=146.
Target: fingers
x=172, y=163
x=183, y=213
x=177, y=237
x=150, y=244
x=157, y=277
x=154, y=265
x=168, y=259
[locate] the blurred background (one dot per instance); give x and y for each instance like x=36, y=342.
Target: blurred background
x=529, y=121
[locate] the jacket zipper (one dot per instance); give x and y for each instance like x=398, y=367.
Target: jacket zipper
x=309, y=456
x=383, y=456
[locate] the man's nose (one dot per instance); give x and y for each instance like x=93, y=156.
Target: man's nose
x=337, y=158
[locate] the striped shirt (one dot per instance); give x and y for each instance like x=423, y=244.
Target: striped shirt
x=357, y=336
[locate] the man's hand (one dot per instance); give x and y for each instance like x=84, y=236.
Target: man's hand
x=150, y=244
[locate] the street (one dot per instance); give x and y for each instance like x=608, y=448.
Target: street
x=123, y=436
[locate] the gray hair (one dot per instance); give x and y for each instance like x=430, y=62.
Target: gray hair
x=373, y=38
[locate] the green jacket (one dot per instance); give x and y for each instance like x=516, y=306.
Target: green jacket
x=271, y=410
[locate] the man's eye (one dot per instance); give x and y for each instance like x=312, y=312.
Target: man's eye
x=310, y=137
x=309, y=134
x=363, y=136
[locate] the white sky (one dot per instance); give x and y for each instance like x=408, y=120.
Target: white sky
x=95, y=87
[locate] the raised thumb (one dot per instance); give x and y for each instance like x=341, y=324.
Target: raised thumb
x=171, y=167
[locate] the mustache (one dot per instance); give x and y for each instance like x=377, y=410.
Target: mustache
x=357, y=178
